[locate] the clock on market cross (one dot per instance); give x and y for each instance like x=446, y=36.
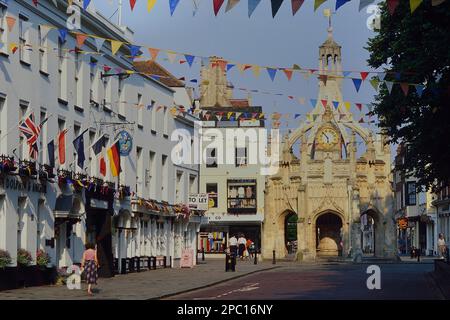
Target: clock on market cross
x=328, y=137
x=125, y=142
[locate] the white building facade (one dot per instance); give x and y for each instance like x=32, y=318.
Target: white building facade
x=87, y=90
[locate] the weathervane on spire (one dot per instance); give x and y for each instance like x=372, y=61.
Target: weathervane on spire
x=327, y=13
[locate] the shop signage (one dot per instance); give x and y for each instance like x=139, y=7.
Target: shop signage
x=198, y=201
x=99, y=204
x=187, y=258
x=27, y=186
x=125, y=142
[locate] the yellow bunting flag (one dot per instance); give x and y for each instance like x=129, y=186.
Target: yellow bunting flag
x=150, y=5
x=318, y=3
x=81, y=38
x=347, y=105
x=10, y=21
x=256, y=70
x=13, y=47
x=414, y=4
x=115, y=46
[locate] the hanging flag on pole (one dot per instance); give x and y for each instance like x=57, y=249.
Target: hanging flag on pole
x=78, y=144
x=114, y=159
x=62, y=146
x=51, y=153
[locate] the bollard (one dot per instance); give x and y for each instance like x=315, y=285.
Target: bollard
x=418, y=255
x=256, y=257
x=123, y=266
x=273, y=257
x=203, y=254
x=227, y=262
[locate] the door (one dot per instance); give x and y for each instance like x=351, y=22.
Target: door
x=99, y=232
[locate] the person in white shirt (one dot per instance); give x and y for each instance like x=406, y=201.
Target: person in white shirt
x=233, y=245
x=241, y=243
x=441, y=245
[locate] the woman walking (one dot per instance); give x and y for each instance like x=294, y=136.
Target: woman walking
x=89, y=264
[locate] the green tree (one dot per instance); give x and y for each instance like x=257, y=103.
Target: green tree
x=414, y=48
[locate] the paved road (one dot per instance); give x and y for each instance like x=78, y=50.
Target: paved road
x=326, y=281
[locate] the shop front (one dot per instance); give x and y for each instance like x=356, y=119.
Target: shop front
x=99, y=212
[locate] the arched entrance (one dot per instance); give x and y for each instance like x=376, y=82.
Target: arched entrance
x=329, y=235
x=371, y=233
x=290, y=232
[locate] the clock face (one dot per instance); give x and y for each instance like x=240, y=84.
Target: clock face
x=328, y=137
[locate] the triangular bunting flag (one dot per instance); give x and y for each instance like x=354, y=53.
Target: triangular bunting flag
x=189, y=59
x=336, y=104
x=389, y=85
x=301, y=100
x=217, y=4
x=272, y=72
x=276, y=4
x=153, y=53
x=414, y=4
x=392, y=5
x=364, y=75
x=381, y=75
x=150, y=5
x=99, y=43
x=374, y=82
x=340, y=3
x=405, y=88
x=132, y=4
x=297, y=115
x=231, y=4
x=288, y=73
x=347, y=106
x=86, y=4
x=358, y=106
x=10, y=22
x=256, y=70
x=134, y=50
x=173, y=5
x=296, y=4
x=13, y=47
x=81, y=38
x=318, y=3
x=62, y=34
x=324, y=103
x=346, y=73
x=115, y=46
x=357, y=83
x=196, y=5
x=252, y=4
x=419, y=89
x=313, y=102
x=171, y=56
x=229, y=66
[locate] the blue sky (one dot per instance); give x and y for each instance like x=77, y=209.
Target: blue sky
x=261, y=40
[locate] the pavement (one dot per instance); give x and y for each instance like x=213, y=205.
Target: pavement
x=406, y=279
x=327, y=281
x=153, y=284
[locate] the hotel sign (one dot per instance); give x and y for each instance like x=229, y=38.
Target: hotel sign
x=27, y=186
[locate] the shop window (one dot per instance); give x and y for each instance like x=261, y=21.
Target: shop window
x=411, y=194
x=242, y=196
x=213, y=241
x=241, y=157
x=211, y=158
x=211, y=190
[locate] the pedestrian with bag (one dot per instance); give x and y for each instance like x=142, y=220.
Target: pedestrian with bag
x=89, y=265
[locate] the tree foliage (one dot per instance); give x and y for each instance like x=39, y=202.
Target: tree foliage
x=414, y=48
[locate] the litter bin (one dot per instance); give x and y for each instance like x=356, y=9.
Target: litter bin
x=230, y=262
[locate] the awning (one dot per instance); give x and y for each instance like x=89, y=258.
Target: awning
x=64, y=207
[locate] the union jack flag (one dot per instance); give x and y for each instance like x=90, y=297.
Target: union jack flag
x=31, y=131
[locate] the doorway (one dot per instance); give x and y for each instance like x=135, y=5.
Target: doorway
x=329, y=235
x=290, y=233
x=98, y=231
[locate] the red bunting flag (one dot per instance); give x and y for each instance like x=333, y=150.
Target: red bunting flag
x=364, y=75
x=324, y=103
x=106, y=68
x=296, y=4
x=405, y=88
x=392, y=5
x=359, y=106
x=132, y=4
x=217, y=4
x=81, y=38
x=35, y=2
x=288, y=73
